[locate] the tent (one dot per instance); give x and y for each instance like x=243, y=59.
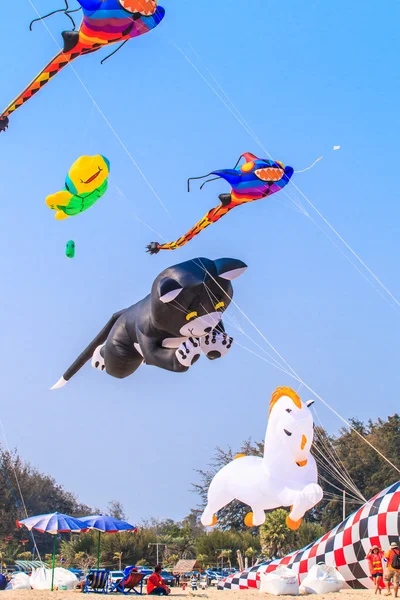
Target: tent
x=186, y=566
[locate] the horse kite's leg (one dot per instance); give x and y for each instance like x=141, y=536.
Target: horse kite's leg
x=301, y=502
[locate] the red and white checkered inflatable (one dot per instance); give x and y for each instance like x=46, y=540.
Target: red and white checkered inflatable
x=345, y=547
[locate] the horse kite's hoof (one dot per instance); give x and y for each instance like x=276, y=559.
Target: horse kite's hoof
x=153, y=248
x=293, y=525
x=3, y=123
x=248, y=520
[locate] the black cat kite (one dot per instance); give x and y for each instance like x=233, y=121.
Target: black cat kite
x=172, y=326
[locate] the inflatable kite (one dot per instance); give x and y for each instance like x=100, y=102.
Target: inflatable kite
x=86, y=182
x=345, y=547
x=285, y=476
x=257, y=178
x=104, y=22
x=70, y=249
x=172, y=326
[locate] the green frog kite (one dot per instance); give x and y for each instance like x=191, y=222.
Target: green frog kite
x=86, y=182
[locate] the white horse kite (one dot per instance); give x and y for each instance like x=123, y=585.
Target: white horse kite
x=285, y=476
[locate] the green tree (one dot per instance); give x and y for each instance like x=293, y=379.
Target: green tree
x=210, y=546
x=24, y=556
x=308, y=533
x=226, y=554
x=116, y=510
x=275, y=537
x=251, y=553
x=202, y=559
x=170, y=561
x=84, y=561
x=41, y=494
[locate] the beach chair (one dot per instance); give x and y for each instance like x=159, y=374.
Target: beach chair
x=129, y=584
x=97, y=581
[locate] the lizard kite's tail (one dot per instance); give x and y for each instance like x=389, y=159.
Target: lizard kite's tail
x=61, y=60
x=214, y=215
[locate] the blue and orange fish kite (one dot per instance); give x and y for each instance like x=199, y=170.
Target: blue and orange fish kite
x=255, y=179
x=104, y=22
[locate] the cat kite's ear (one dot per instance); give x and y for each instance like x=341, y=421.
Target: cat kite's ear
x=229, y=268
x=169, y=289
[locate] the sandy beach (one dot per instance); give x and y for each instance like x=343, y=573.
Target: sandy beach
x=210, y=593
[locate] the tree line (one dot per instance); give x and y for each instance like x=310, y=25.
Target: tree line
x=345, y=462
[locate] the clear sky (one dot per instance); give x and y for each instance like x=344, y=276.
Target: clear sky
x=306, y=76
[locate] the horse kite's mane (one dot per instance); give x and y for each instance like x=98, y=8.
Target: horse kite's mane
x=284, y=391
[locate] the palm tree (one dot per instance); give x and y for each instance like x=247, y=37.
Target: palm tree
x=276, y=539
x=202, y=559
x=118, y=557
x=250, y=553
x=226, y=554
x=184, y=546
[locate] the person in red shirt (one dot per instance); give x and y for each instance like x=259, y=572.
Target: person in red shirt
x=374, y=557
x=156, y=585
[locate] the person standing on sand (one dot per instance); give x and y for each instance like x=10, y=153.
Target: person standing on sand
x=156, y=585
x=374, y=557
x=392, y=572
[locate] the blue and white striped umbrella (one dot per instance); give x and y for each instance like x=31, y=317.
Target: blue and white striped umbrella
x=54, y=523
x=106, y=524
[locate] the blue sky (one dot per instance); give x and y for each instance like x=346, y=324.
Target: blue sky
x=306, y=76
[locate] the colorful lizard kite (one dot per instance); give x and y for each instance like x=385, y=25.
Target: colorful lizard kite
x=104, y=22
x=257, y=178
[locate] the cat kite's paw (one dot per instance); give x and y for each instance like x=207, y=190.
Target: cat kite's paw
x=216, y=344
x=188, y=352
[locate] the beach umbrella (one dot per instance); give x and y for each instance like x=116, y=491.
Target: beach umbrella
x=53, y=523
x=105, y=524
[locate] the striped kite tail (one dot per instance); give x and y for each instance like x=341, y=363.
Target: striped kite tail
x=214, y=215
x=61, y=60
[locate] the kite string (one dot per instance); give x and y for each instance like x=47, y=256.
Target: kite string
x=113, y=131
x=162, y=204
x=296, y=376
x=122, y=195
x=245, y=125
x=347, y=245
x=241, y=122
x=311, y=166
x=104, y=117
x=234, y=111
x=339, y=249
x=19, y=488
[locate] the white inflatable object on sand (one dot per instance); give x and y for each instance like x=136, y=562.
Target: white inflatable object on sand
x=322, y=579
x=281, y=582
